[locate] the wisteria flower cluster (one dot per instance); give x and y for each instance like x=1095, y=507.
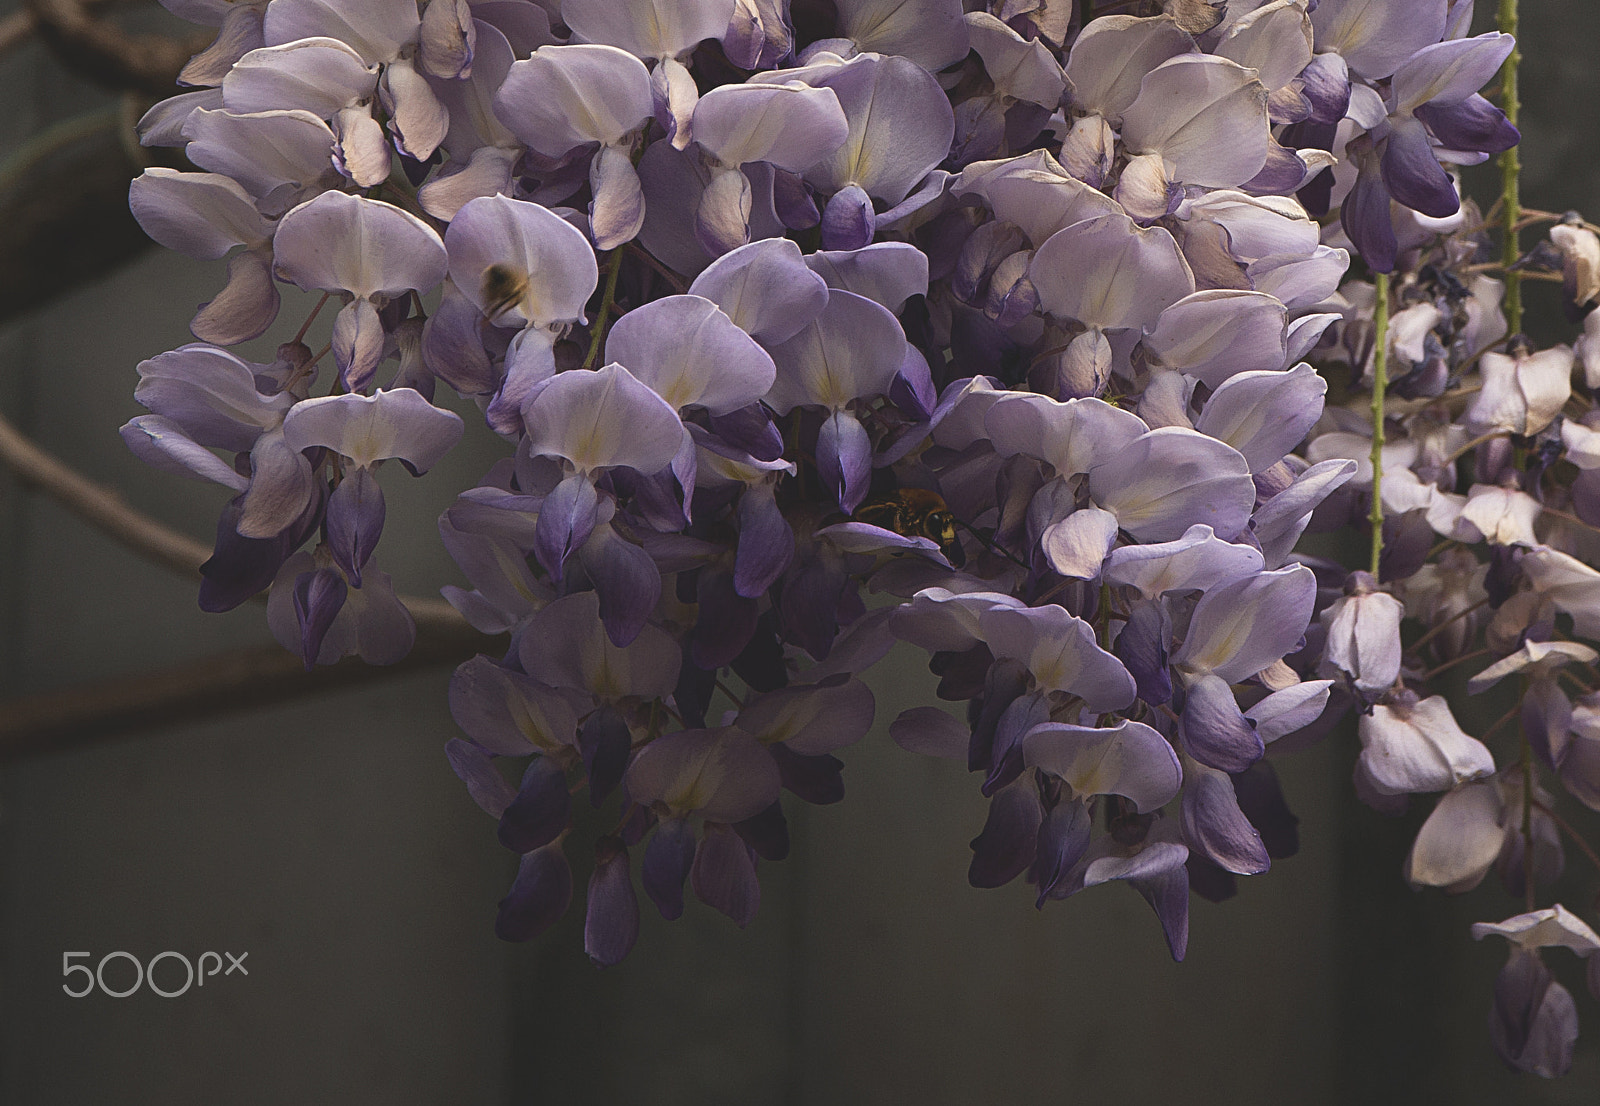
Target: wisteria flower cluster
x=1019, y=332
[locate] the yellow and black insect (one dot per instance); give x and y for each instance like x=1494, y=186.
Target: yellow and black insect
x=503, y=288
x=915, y=513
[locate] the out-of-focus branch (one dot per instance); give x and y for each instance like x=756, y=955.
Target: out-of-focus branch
x=64, y=216
x=106, y=511
x=18, y=27
x=244, y=678
x=100, y=507
x=100, y=51
x=59, y=720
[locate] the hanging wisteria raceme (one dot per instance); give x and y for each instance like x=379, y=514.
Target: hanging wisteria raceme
x=813, y=327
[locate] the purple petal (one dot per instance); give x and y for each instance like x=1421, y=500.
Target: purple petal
x=791, y=126
x=1010, y=839
x=397, y=423
x=722, y=217
x=725, y=775
x=343, y=243
x=617, y=210
x=605, y=742
x=626, y=579
x=245, y=307
x=446, y=40
x=1264, y=415
x=1242, y=626
x=241, y=567
x=1214, y=731
x=611, y=919
x=811, y=720
x=1325, y=83
x=691, y=354
x=1170, y=479
x=566, y=519
x=565, y=96
x=931, y=731
x=1063, y=839
x=541, y=809
x=1217, y=333
x=1129, y=759
x=1077, y=545
x=355, y=521
x=1471, y=124
x=484, y=173
x=818, y=780
x=281, y=488
x=320, y=75
x=848, y=222
x=485, y=784
x=888, y=273
x=1207, y=118
x=766, y=543
x=1414, y=175
x=1110, y=57
x=1450, y=71
x=1034, y=193
x=358, y=342
x=318, y=598
x=724, y=875
x=901, y=126
x=417, y=118
x=1197, y=560
x=1217, y=829
x=725, y=623
x=767, y=833
x=1366, y=219
x=1375, y=39
x=1106, y=272
x=203, y=215
x=932, y=34
x=508, y=713
x=1534, y=1022
x=853, y=349
x=499, y=247
x=603, y=419
x=567, y=646
x=674, y=95
x=538, y=897
x=765, y=288
x=453, y=347
x=751, y=430
x=1142, y=647
x=1072, y=436
x=1168, y=896
x=1060, y=650
x=161, y=443
x=844, y=459
x=667, y=860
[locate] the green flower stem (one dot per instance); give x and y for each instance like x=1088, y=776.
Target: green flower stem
x=1511, y=172
x=1380, y=384
x=597, y=335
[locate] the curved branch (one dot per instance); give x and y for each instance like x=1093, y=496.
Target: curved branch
x=100, y=507
x=18, y=27
x=104, y=53
x=108, y=512
x=237, y=680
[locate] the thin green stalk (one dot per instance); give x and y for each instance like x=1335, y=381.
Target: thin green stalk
x=1511, y=172
x=1380, y=384
x=606, y=304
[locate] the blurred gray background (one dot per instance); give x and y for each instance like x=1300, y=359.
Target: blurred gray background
x=327, y=838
